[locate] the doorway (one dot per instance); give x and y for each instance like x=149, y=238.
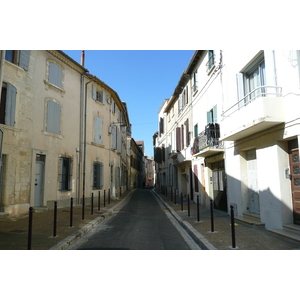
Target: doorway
x=253, y=193
x=295, y=179
x=39, y=180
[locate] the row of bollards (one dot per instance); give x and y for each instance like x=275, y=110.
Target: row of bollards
x=29, y=239
x=173, y=197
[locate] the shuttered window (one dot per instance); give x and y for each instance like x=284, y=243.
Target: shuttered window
x=97, y=176
x=114, y=137
x=178, y=139
x=98, y=130
x=119, y=141
x=55, y=75
x=53, y=117
x=18, y=57
x=8, y=104
x=65, y=176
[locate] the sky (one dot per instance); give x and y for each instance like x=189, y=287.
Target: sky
x=142, y=79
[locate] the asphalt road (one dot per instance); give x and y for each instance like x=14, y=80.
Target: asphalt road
x=142, y=224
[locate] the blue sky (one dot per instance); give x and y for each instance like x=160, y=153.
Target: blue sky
x=142, y=78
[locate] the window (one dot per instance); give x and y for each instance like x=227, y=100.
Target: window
x=195, y=81
x=65, y=174
x=97, y=176
x=55, y=75
x=8, y=104
x=180, y=103
x=18, y=57
x=98, y=95
x=212, y=115
x=251, y=82
x=211, y=60
x=53, y=117
x=253, y=79
x=117, y=177
x=98, y=130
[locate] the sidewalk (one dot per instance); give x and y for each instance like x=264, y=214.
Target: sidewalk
x=248, y=237
x=14, y=231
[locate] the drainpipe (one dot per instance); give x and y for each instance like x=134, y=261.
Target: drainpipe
x=84, y=138
x=2, y=56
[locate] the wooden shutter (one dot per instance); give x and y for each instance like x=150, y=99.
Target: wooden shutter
x=182, y=137
x=97, y=130
x=10, y=110
x=24, y=59
x=53, y=117
x=209, y=117
x=114, y=137
x=187, y=132
x=215, y=115
x=119, y=141
x=178, y=139
x=55, y=75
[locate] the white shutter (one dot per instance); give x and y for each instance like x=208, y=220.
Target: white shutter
x=55, y=75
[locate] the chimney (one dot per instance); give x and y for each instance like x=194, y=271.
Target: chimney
x=82, y=58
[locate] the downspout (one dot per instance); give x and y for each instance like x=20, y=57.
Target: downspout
x=84, y=138
x=2, y=56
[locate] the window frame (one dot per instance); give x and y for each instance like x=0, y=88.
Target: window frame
x=65, y=175
x=97, y=175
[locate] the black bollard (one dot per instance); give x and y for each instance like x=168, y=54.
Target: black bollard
x=171, y=194
x=55, y=218
x=189, y=206
x=104, y=197
x=175, y=196
x=29, y=228
x=83, y=204
x=92, y=204
x=71, y=213
x=212, y=215
x=166, y=191
x=198, y=209
x=181, y=202
x=98, y=200
x=232, y=226
x=108, y=196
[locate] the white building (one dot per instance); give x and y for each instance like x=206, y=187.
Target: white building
x=260, y=127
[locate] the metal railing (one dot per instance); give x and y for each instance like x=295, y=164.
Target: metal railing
x=207, y=138
x=261, y=91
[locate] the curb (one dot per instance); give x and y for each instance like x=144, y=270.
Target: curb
x=71, y=239
x=196, y=235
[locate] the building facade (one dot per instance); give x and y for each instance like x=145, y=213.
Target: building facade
x=260, y=126
x=64, y=132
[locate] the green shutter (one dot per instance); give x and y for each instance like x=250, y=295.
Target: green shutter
x=209, y=117
x=215, y=115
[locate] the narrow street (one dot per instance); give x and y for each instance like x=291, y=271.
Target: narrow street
x=141, y=224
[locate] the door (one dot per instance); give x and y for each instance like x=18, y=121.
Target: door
x=253, y=194
x=295, y=182
x=39, y=180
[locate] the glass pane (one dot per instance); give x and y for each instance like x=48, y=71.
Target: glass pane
x=296, y=181
x=295, y=157
x=296, y=170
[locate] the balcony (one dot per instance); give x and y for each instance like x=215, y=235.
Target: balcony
x=207, y=142
x=261, y=109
